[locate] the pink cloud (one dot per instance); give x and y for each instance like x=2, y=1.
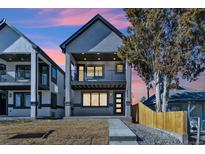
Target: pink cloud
x=75, y=17
x=55, y=54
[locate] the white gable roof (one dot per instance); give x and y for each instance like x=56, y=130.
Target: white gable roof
x=12, y=42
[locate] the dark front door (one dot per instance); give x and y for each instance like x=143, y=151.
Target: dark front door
x=118, y=109
x=3, y=105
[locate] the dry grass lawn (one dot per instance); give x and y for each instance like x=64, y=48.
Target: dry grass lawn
x=66, y=132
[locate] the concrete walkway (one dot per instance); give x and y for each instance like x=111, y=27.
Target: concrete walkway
x=6, y=118
x=120, y=134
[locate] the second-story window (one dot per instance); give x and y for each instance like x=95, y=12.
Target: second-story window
x=90, y=71
x=94, y=71
x=54, y=74
x=2, y=69
x=99, y=71
x=44, y=78
x=23, y=72
x=119, y=68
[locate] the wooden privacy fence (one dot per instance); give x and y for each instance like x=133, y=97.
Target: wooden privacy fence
x=170, y=121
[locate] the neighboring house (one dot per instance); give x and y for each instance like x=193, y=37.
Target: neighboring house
x=97, y=83
x=30, y=82
x=182, y=99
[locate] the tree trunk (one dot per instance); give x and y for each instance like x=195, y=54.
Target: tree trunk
x=165, y=94
x=157, y=91
x=147, y=85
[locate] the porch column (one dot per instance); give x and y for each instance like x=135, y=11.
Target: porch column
x=128, y=90
x=34, y=84
x=68, y=85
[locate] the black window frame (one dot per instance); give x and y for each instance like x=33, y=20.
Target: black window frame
x=94, y=77
x=40, y=75
x=116, y=68
x=24, y=78
x=90, y=106
x=54, y=106
x=2, y=69
x=54, y=79
x=22, y=106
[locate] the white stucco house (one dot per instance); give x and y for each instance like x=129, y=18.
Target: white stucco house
x=31, y=83
x=97, y=81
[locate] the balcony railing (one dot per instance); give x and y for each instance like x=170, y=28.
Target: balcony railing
x=105, y=75
x=15, y=76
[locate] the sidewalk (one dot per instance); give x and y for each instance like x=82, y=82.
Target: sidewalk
x=120, y=134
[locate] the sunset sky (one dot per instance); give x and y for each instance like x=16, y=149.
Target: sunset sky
x=48, y=28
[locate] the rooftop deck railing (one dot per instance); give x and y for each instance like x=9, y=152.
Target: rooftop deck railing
x=15, y=75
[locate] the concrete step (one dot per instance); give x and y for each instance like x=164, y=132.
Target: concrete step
x=119, y=132
x=121, y=135
x=123, y=143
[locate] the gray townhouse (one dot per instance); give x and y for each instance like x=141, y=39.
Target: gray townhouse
x=97, y=81
x=31, y=83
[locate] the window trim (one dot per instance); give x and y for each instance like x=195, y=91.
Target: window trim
x=40, y=73
x=2, y=71
x=95, y=77
x=90, y=92
x=24, y=72
x=116, y=68
x=84, y=72
x=54, y=80
x=56, y=100
x=23, y=104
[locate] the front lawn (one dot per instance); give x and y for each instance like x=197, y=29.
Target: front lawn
x=48, y=132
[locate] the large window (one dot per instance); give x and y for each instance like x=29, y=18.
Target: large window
x=53, y=100
x=44, y=78
x=94, y=71
x=119, y=68
x=2, y=69
x=54, y=74
x=23, y=99
x=95, y=99
x=23, y=72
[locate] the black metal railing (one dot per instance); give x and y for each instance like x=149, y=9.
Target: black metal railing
x=15, y=75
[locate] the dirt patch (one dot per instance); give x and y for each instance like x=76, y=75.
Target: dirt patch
x=63, y=132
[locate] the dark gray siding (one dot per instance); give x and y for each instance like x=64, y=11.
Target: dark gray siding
x=79, y=110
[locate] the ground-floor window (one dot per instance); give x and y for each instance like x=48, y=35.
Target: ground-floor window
x=23, y=99
x=95, y=99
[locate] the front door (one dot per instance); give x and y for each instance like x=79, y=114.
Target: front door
x=118, y=109
x=3, y=104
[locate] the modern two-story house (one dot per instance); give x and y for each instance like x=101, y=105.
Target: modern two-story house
x=31, y=83
x=97, y=82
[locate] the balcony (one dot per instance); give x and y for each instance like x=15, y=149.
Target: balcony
x=15, y=78
x=106, y=79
